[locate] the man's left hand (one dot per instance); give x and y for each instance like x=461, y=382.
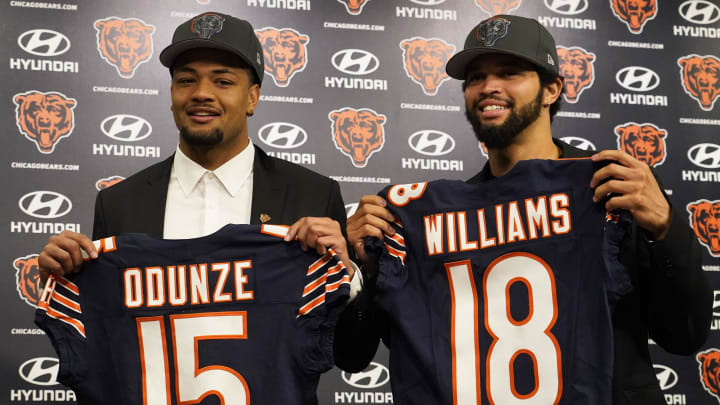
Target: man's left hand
x=632, y=186
x=321, y=233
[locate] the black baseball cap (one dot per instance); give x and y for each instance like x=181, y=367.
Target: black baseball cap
x=507, y=34
x=217, y=31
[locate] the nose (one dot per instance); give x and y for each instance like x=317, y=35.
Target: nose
x=490, y=84
x=203, y=91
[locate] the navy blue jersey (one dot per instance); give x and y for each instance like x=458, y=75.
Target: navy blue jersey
x=501, y=292
x=236, y=317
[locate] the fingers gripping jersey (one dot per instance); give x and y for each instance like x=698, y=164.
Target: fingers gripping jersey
x=501, y=292
x=236, y=317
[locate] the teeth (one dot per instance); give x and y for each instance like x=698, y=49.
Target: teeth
x=202, y=113
x=493, y=107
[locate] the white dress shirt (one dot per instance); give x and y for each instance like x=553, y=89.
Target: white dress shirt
x=201, y=201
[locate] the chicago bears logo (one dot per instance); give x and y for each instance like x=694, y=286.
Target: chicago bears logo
x=44, y=118
x=207, y=25
x=358, y=133
x=354, y=7
x=576, y=66
x=644, y=142
x=26, y=277
x=701, y=78
x=102, y=184
x=709, y=361
x=491, y=30
x=425, y=61
x=494, y=7
x=634, y=13
x=285, y=53
x=705, y=221
x=124, y=43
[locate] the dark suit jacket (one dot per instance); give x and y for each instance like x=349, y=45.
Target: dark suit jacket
x=282, y=190
x=671, y=303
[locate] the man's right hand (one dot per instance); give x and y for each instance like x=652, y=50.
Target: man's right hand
x=370, y=219
x=62, y=255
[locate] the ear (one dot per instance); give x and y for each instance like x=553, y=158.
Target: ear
x=380, y=119
x=405, y=45
x=100, y=24
x=334, y=115
x=19, y=99
x=693, y=208
x=303, y=39
x=552, y=91
x=70, y=103
x=253, y=98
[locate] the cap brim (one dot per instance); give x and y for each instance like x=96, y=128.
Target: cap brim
x=169, y=54
x=458, y=64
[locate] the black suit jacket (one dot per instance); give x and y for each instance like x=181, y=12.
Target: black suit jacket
x=671, y=303
x=282, y=190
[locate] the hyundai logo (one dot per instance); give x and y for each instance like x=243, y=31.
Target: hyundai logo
x=126, y=128
x=567, y=7
x=699, y=11
x=666, y=376
x=355, y=62
x=45, y=204
x=705, y=155
x=578, y=142
x=350, y=209
x=40, y=371
x=428, y=2
x=374, y=376
x=42, y=42
x=637, y=78
x=431, y=143
x=282, y=135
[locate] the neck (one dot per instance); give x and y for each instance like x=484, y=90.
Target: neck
x=213, y=156
x=534, y=142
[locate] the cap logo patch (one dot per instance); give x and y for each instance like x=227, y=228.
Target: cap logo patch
x=492, y=30
x=207, y=25
x=550, y=60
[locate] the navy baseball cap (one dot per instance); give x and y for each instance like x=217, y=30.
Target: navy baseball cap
x=217, y=31
x=511, y=35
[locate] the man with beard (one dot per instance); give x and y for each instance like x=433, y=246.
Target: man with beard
x=512, y=91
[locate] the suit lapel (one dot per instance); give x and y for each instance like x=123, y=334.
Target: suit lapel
x=152, y=216
x=269, y=190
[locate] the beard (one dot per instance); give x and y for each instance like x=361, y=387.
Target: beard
x=202, y=139
x=503, y=135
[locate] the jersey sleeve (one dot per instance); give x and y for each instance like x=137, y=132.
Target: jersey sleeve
x=327, y=286
x=616, y=228
x=59, y=314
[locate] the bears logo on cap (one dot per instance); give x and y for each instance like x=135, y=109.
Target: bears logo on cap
x=207, y=25
x=425, y=61
x=701, y=78
x=357, y=133
x=124, y=43
x=577, y=69
x=44, y=118
x=491, y=30
x=634, y=13
x=705, y=221
x=285, y=52
x=645, y=142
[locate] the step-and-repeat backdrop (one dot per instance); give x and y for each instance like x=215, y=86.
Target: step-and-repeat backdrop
x=85, y=103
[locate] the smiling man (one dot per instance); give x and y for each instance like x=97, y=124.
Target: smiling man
x=217, y=177
x=512, y=90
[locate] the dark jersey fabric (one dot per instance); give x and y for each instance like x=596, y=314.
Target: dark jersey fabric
x=526, y=316
x=239, y=314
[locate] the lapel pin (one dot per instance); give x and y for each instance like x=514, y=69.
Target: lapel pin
x=264, y=218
